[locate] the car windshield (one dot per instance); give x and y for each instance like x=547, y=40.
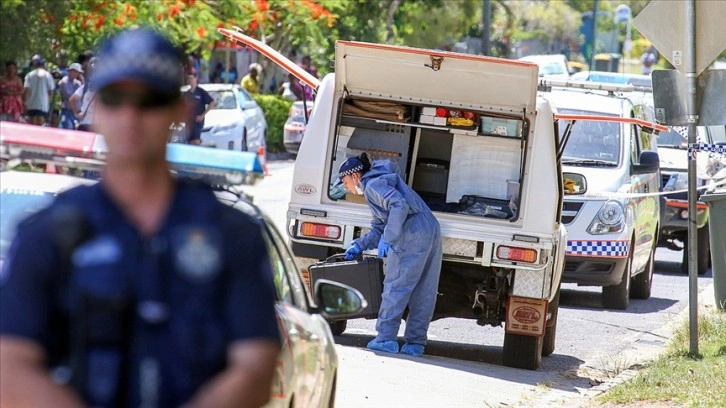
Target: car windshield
x=551, y=68
x=16, y=205
x=591, y=142
x=224, y=99
x=675, y=137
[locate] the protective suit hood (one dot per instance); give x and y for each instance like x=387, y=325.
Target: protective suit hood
x=380, y=168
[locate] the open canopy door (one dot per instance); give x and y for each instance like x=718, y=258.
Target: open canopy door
x=428, y=76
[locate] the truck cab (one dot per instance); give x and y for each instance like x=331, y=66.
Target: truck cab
x=469, y=134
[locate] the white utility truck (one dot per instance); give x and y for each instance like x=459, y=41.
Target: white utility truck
x=470, y=135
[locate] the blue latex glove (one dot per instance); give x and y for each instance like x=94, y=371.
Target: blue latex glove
x=352, y=252
x=383, y=247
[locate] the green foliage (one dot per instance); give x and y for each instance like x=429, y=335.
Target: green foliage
x=548, y=21
x=677, y=376
x=276, y=110
x=30, y=27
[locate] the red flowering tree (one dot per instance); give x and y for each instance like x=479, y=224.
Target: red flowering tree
x=192, y=23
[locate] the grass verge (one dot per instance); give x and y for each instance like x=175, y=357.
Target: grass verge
x=679, y=377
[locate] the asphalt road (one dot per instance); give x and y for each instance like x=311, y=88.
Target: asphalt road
x=463, y=365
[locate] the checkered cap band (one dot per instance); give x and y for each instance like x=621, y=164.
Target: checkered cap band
x=143, y=55
x=350, y=165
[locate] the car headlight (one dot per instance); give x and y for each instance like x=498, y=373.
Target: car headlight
x=610, y=219
x=679, y=182
x=224, y=128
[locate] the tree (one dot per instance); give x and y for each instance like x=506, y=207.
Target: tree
x=30, y=27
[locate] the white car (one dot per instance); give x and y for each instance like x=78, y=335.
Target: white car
x=236, y=123
x=550, y=66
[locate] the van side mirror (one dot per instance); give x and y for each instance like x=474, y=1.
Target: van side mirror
x=649, y=162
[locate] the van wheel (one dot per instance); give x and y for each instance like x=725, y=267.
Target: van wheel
x=704, y=252
x=548, y=342
x=618, y=296
x=643, y=281
x=338, y=327
x=522, y=351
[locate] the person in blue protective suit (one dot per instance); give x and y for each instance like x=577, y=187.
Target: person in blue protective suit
x=142, y=290
x=406, y=232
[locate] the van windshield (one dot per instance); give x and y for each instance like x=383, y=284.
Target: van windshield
x=592, y=142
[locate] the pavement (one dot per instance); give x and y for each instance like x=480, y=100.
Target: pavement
x=646, y=349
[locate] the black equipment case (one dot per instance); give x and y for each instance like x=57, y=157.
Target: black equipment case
x=364, y=274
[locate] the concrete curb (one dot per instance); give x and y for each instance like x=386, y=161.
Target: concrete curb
x=645, y=350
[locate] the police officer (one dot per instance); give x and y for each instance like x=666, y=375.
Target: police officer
x=406, y=232
x=142, y=290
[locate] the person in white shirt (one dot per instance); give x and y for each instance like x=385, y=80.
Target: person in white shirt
x=83, y=101
x=38, y=87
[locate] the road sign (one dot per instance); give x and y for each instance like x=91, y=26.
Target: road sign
x=663, y=23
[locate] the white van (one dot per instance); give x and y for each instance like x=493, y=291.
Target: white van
x=469, y=134
x=612, y=182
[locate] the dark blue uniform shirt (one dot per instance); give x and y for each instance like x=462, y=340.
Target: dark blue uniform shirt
x=200, y=99
x=158, y=311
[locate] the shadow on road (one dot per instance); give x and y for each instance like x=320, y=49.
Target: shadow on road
x=585, y=300
x=467, y=358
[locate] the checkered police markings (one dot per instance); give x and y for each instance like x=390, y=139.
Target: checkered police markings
x=705, y=147
x=613, y=249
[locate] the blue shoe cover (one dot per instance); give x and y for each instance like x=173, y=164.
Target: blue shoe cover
x=413, y=349
x=388, y=346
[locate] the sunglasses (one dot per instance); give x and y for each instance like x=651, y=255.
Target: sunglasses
x=114, y=98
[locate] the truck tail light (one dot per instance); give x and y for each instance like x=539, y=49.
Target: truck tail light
x=517, y=254
x=315, y=230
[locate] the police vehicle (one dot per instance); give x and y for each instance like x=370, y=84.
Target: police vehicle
x=611, y=179
x=470, y=136
x=307, y=367
x=672, y=149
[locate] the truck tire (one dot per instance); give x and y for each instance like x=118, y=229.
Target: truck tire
x=338, y=327
x=618, y=296
x=522, y=351
x=643, y=281
x=704, y=252
x=548, y=341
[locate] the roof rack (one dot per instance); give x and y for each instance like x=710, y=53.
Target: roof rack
x=87, y=150
x=546, y=85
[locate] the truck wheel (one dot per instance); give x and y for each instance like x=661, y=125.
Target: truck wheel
x=522, y=351
x=704, y=252
x=643, y=281
x=548, y=342
x=618, y=296
x=338, y=327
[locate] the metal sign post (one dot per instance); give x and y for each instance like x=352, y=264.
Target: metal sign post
x=691, y=40
x=691, y=78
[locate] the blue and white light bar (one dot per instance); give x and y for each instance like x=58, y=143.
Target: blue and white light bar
x=87, y=150
x=214, y=166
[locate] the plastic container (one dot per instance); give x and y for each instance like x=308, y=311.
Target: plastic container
x=716, y=201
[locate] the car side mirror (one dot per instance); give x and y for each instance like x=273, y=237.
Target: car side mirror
x=649, y=162
x=337, y=300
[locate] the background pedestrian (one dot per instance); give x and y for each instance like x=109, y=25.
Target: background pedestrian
x=38, y=88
